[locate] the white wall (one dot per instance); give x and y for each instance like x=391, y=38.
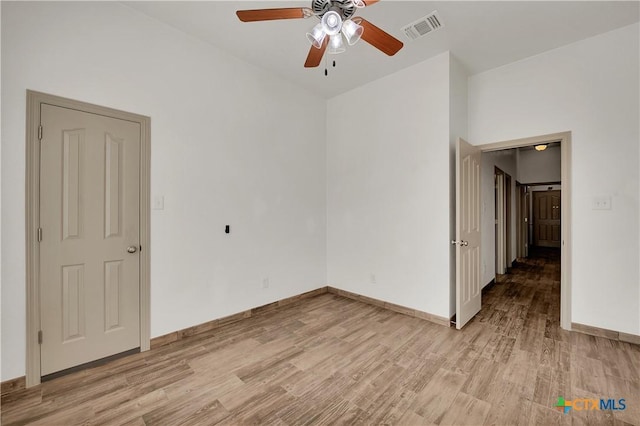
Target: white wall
x=539, y=166
x=506, y=161
x=387, y=192
x=231, y=144
x=597, y=100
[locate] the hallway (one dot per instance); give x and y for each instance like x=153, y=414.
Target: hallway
x=529, y=293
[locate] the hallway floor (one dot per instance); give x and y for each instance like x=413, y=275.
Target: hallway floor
x=331, y=360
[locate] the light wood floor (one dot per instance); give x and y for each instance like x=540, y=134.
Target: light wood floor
x=331, y=360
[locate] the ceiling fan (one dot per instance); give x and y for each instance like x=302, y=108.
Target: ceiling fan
x=336, y=21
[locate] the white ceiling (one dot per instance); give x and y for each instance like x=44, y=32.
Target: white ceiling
x=482, y=35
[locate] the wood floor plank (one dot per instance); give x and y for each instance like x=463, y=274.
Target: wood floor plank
x=411, y=418
x=422, y=370
x=211, y=384
x=210, y=413
x=467, y=411
x=129, y=409
x=506, y=404
x=332, y=360
x=436, y=398
x=543, y=415
x=588, y=374
x=522, y=370
x=482, y=377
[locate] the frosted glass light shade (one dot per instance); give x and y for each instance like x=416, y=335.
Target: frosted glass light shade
x=316, y=36
x=541, y=147
x=331, y=22
x=352, y=31
x=336, y=45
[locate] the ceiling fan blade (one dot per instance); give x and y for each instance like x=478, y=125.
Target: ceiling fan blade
x=315, y=55
x=273, y=14
x=379, y=38
x=370, y=2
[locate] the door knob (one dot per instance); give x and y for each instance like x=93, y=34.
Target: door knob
x=132, y=249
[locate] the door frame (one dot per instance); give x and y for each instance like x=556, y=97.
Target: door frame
x=32, y=199
x=499, y=227
x=565, y=215
x=503, y=261
x=522, y=221
x=508, y=261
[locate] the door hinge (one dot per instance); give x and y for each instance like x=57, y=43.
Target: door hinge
x=40, y=337
x=39, y=234
x=40, y=132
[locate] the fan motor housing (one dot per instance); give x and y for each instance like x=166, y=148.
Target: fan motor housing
x=344, y=7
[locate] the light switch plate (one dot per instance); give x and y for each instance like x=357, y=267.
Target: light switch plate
x=158, y=202
x=601, y=202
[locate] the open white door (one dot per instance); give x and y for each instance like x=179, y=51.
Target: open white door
x=468, y=292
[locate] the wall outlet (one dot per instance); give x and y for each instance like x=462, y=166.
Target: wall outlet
x=265, y=283
x=602, y=202
x=372, y=278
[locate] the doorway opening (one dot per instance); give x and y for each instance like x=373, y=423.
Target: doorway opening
x=531, y=218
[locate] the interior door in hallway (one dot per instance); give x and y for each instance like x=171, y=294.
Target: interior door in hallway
x=546, y=218
x=89, y=217
x=468, y=291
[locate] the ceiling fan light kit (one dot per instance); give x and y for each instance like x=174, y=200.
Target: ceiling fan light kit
x=352, y=31
x=335, y=22
x=336, y=45
x=331, y=22
x=316, y=36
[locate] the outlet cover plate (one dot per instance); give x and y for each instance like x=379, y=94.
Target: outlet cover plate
x=601, y=202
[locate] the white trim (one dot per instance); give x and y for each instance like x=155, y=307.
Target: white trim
x=34, y=100
x=565, y=218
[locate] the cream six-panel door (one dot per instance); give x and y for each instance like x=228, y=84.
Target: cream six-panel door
x=468, y=289
x=89, y=215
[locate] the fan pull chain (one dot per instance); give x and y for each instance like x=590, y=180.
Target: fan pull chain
x=326, y=70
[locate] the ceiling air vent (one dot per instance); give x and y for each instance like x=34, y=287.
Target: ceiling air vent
x=423, y=26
